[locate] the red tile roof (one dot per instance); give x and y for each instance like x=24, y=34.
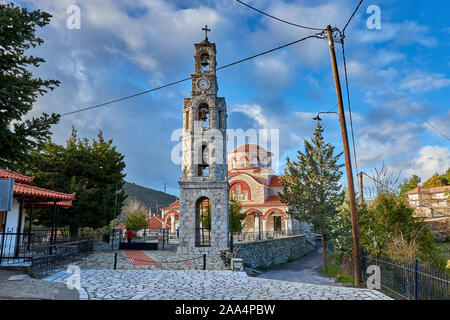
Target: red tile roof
x=251, y=147
x=275, y=182
x=271, y=201
x=157, y=223
x=40, y=193
x=17, y=176
x=174, y=205
x=428, y=190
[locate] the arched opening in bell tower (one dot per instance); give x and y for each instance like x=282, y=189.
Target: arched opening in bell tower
x=203, y=114
x=204, y=61
x=203, y=166
x=203, y=222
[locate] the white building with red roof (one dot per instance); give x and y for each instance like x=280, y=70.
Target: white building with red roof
x=253, y=181
x=430, y=202
x=25, y=196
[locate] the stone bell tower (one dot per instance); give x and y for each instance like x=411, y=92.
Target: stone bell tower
x=204, y=180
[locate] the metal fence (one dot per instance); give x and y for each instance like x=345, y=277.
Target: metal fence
x=410, y=281
x=202, y=237
x=164, y=239
x=42, y=252
x=44, y=262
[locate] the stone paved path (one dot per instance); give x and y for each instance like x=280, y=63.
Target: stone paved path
x=305, y=270
x=203, y=285
x=168, y=260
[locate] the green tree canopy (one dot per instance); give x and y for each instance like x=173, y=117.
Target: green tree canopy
x=311, y=185
x=435, y=181
x=236, y=215
x=18, y=89
x=93, y=171
x=409, y=184
x=136, y=221
x=390, y=217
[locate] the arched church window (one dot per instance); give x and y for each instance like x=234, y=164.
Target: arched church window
x=245, y=195
x=238, y=190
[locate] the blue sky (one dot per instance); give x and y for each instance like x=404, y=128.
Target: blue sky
x=126, y=46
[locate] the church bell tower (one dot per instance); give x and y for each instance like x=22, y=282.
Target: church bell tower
x=204, y=180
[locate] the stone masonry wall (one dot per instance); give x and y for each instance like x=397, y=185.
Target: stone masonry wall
x=267, y=252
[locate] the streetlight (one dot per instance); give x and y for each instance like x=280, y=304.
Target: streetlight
x=231, y=223
x=318, y=118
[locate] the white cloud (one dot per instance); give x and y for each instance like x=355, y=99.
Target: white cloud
x=399, y=33
x=418, y=82
x=431, y=159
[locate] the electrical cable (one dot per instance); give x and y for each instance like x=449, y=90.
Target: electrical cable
x=185, y=79
x=273, y=17
x=354, y=12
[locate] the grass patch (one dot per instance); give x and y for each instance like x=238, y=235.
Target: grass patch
x=334, y=270
x=444, y=248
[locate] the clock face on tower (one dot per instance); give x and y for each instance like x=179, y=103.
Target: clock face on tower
x=203, y=84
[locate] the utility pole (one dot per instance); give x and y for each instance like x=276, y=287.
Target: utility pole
x=348, y=164
x=165, y=187
x=361, y=193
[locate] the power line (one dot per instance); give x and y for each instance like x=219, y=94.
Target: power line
x=376, y=82
x=354, y=12
x=282, y=20
x=346, y=84
x=185, y=79
x=125, y=98
x=349, y=106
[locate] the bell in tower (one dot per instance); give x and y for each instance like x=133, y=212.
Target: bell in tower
x=204, y=180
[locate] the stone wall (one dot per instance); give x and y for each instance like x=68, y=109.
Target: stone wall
x=268, y=252
x=440, y=228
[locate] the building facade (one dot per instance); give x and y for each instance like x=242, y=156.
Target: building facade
x=430, y=202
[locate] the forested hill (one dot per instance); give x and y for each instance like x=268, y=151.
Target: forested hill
x=147, y=196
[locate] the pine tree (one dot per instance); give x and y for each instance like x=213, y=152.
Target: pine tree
x=92, y=170
x=18, y=89
x=409, y=184
x=311, y=185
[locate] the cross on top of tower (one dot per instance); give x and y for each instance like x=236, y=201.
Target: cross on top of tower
x=206, y=31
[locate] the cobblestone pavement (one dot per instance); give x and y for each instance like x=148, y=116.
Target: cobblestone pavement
x=202, y=285
x=168, y=260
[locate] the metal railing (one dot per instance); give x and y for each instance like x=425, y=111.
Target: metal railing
x=202, y=237
x=410, y=281
x=39, y=251
x=152, y=236
x=44, y=263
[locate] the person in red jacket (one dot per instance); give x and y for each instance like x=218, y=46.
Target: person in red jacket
x=130, y=235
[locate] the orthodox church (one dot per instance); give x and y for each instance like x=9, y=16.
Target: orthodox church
x=255, y=184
